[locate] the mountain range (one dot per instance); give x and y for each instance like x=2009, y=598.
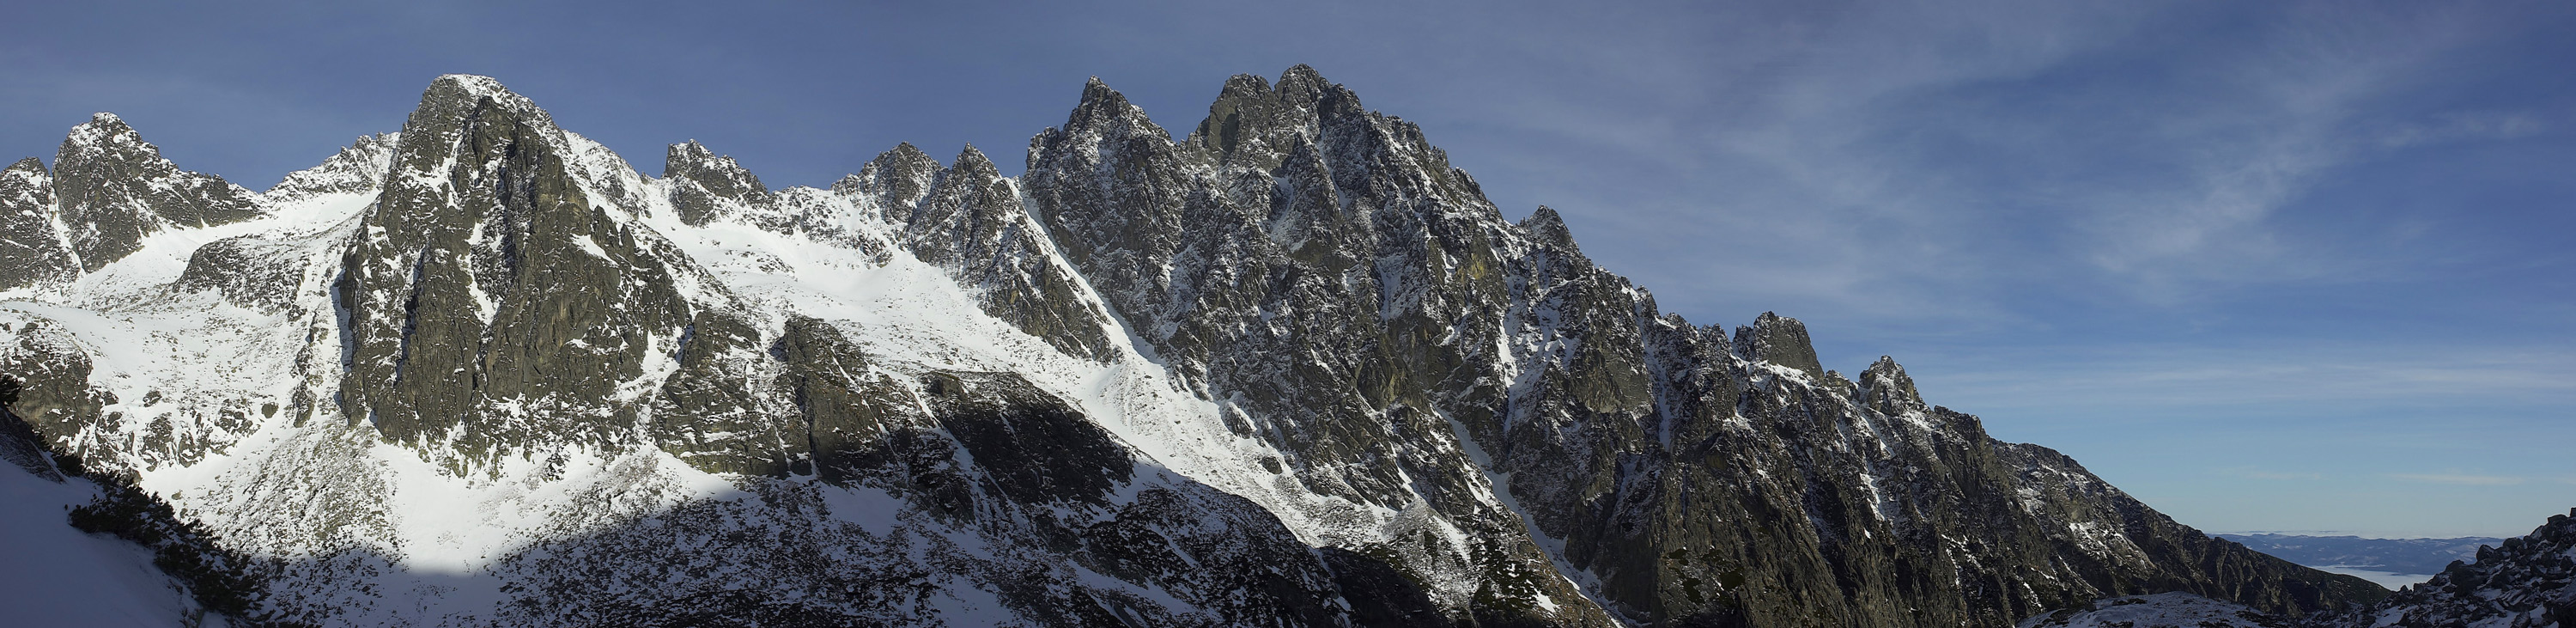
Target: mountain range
x=2404, y=556
x=1289, y=368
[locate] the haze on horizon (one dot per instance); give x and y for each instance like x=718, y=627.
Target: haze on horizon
x=2295, y=266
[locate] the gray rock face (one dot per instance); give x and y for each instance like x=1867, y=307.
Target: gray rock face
x=1781, y=341
x=114, y=189
x=51, y=372
x=485, y=280
x=32, y=250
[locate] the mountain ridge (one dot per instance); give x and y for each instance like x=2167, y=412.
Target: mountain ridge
x=1291, y=369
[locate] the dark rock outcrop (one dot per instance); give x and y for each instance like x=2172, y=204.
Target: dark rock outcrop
x=32, y=250
x=248, y=271
x=2524, y=582
x=488, y=300
x=115, y=189
x=51, y=373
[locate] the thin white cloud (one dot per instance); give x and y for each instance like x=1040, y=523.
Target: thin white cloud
x=2319, y=374
x=2262, y=474
x=2461, y=479
x=1833, y=136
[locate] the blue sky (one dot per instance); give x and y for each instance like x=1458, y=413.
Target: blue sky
x=2268, y=266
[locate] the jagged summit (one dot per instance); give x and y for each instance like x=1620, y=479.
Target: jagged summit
x=972, y=162
x=1255, y=124
x=1779, y=340
x=1546, y=227
x=704, y=185
x=900, y=175
x=486, y=263
x=1293, y=369
x=113, y=189
x=358, y=168
x=1105, y=111
x=475, y=86
x=1886, y=387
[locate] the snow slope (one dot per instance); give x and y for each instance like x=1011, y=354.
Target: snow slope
x=54, y=575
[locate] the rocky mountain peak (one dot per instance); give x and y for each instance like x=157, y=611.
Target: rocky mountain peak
x=1103, y=109
x=455, y=101
x=897, y=178
x=1301, y=83
x=705, y=185
x=25, y=186
x=1546, y=227
x=484, y=268
x=114, y=189
x=1885, y=387
x=1779, y=340
x=454, y=90
x=1256, y=125
x=358, y=168
x=973, y=163
x=103, y=128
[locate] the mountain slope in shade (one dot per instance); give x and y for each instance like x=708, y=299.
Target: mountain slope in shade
x=52, y=574
x=1291, y=369
x=2162, y=610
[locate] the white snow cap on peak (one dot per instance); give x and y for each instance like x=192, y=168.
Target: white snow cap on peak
x=479, y=86
x=475, y=83
x=102, y=128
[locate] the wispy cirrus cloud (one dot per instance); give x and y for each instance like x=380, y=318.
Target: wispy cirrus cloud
x=2460, y=479
x=2265, y=474
x=1923, y=161
x=2325, y=373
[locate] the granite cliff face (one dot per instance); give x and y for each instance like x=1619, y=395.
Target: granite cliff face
x=1290, y=369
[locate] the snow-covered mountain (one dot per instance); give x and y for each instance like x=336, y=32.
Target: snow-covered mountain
x=1290, y=369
